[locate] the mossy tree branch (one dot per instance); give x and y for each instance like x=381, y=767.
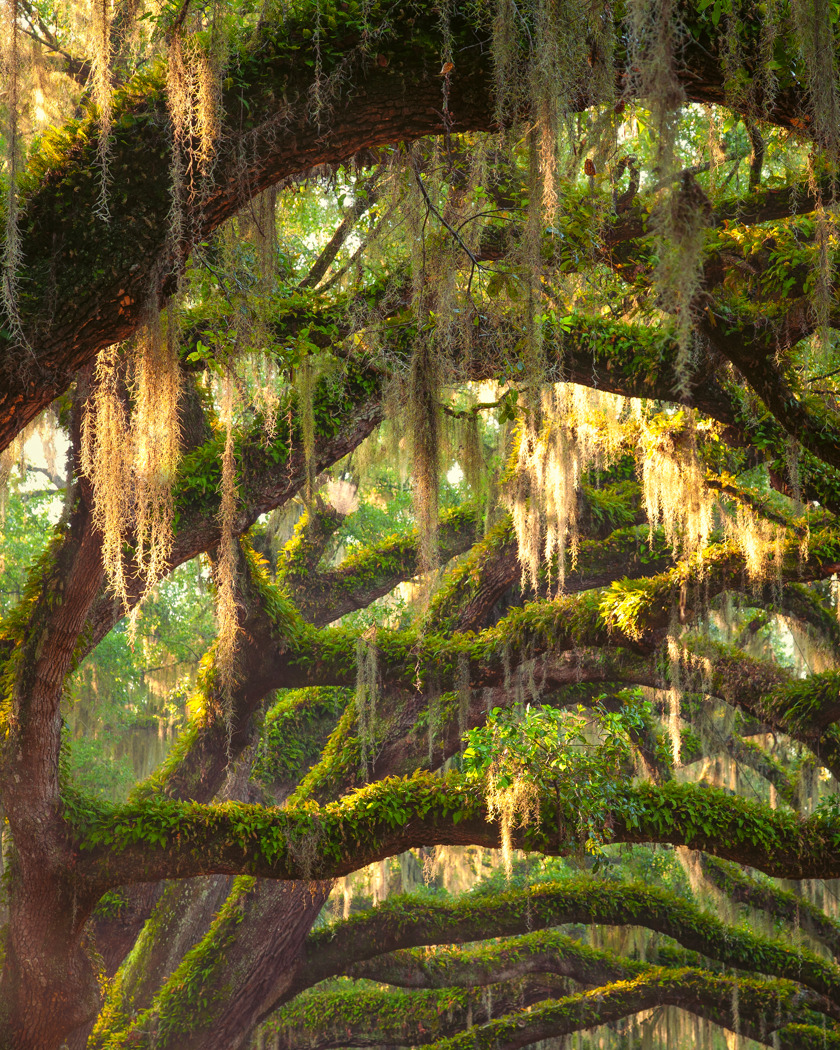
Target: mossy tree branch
x=325, y=595
x=157, y=838
x=460, y=1018
x=701, y=993
x=97, y=279
x=585, y=901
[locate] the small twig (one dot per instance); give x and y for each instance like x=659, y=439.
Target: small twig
x=483, y=406
x=825, y=375
x=484, y=214
x=458, y=239
x=698, y=169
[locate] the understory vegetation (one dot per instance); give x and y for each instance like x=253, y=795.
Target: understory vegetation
x=419, y=544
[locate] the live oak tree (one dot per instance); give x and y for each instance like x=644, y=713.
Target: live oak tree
x=629, y=339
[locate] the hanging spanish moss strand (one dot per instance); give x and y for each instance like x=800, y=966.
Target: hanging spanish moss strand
x=674, y=691
x=155, y=440
x=736, y=1011
x=265, y=221
x=107, y=460
x=767, y=79
x=423, y=409
x=822, y=295
x=679, y=220
x=305, y=383
x=178, y=101
x=208, y=65
x=367, y=687
x=102, y=96
x=815, y=33
x=464, y=697
x=10, y=61
x=226, y=617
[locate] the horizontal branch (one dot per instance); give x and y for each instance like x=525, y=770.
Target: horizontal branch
x=707, y=995
x=87, y=284
x=368, y=1017
x=161, y=838
x=373, y=945
x=354, y=1017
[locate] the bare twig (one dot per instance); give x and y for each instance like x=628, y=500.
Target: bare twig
x=476, y=265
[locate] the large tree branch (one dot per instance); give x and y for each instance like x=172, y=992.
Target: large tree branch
x=362, y=1017
x=587, y=901
x=698, y=991
x=39, y=645
x=452, y=1017
x=160, y=838
x=87, y=284
x=795, y=910
x=325, y=595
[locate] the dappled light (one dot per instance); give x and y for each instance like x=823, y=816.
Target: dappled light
x=419, y=558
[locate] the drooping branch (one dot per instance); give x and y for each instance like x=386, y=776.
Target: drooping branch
x=358, y=1017
x=706, y=995
x=371, y=945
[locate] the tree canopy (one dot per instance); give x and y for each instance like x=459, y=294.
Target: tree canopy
x=449, y=399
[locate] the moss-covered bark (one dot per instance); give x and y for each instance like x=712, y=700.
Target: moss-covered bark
x=159, y=838
x=370, y=945
x=706, y=995
x=354, y=1018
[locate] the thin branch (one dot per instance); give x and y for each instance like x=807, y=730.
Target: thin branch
x=467, y=251
x=78, y=69
x=365, y=197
